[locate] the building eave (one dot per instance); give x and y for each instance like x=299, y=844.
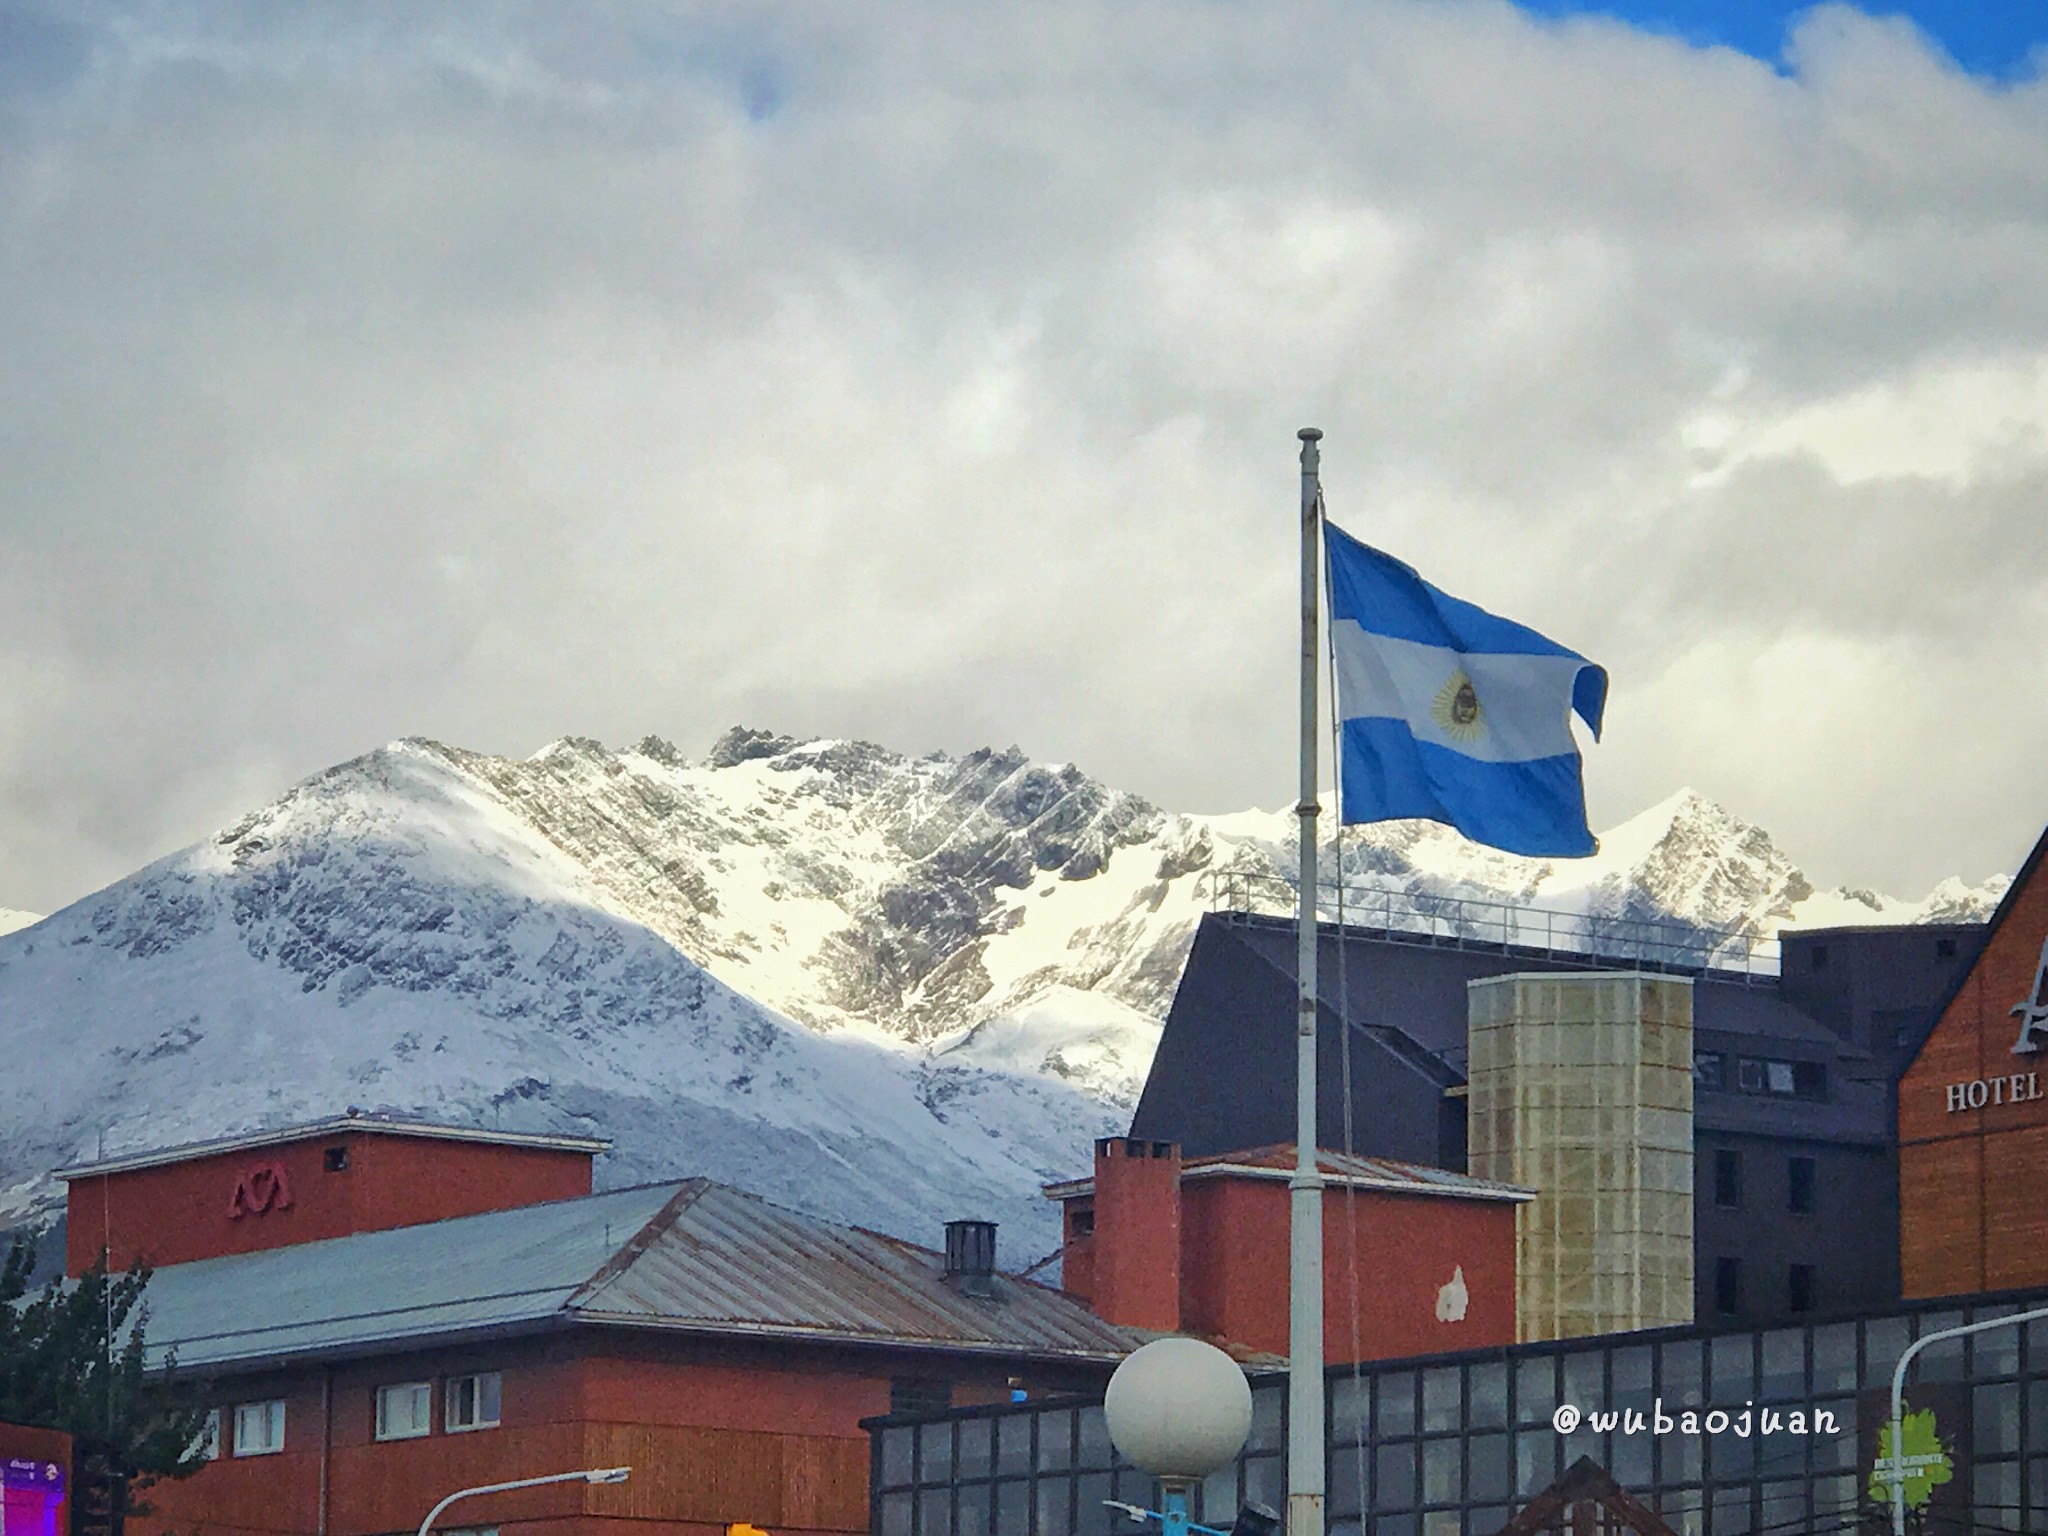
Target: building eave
x=840, y=1338
x=398, y=1342
x=337, y=1126
x=1511, y=1194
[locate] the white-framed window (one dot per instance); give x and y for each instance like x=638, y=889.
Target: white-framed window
x=473, y=1401
x=206, y=1444
x=259, y=1428
x=405, y=1411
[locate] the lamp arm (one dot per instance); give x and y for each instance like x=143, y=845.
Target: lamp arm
x=434, y=1514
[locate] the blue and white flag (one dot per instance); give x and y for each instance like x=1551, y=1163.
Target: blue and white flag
x=1451, y=714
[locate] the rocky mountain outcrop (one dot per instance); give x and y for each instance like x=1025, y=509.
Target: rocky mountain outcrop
x=891, y=989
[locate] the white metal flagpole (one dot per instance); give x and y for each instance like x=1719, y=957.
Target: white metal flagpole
x=1305, y=1437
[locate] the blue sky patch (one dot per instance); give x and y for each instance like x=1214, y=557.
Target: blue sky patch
x=1992, y=39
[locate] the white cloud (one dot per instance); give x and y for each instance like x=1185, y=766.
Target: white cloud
x=931, y=375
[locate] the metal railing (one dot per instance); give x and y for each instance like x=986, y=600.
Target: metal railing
x=1404, y=915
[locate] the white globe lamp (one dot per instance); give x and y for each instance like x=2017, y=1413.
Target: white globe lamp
x=1179, y=1409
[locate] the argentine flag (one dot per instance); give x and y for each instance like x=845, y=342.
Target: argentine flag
x=1450, y=714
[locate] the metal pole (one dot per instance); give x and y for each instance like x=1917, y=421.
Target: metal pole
x=1898, y=1459
x=1305, y=1190
x=594, y=1475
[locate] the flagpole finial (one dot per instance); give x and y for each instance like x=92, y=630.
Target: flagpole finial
x=1310, y=434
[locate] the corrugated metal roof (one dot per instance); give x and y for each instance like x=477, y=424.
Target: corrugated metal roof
x=336, y=1126
x=351, y=1294
x=729, y=1262
x=692, y=1256
x=1342, y=1170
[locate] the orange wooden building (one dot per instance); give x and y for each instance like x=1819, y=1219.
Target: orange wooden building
x=1973, y=1114
x=383, y=1313
x=1201, y=1246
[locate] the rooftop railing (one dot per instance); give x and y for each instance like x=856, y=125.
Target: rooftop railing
x=1406, y=916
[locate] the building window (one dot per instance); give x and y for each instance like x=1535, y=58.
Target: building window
x=473, y=1401
x=406, y=1411
x=919, y=1394
x=1081, y=1221
x=1799, y=1290
x=1727, y=1286
x=1799, y=1187
x=259, y=1428
x=1728, y=1178
x=336, y=1159
x=1784, y=1079
x=206, y=1445
x=1706, y=1070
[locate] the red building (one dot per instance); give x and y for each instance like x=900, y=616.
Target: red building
x=1973, y=1113
x=384, y=1313
x=1201, y=1246
x=356, y=1173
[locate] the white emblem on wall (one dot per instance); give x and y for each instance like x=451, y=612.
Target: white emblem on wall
x=2032, y=1010
x=1452, y=1298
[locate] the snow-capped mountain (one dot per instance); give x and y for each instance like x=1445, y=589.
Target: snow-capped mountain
x=11, y=920
x=888, y=989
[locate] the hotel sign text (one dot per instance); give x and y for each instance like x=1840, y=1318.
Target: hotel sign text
x=2019, y=1088
x=2032, y=1010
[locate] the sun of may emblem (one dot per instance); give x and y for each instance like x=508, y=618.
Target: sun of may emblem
x=1456, y=709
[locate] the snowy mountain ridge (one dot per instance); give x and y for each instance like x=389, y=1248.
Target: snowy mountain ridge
x=888, y=989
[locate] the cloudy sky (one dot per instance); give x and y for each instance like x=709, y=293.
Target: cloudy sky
x=930, y=374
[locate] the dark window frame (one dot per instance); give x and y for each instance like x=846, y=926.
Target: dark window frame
x=1728, y=1285
x=1802, y=1185
x=1799, y=1288
x=1728, y=1178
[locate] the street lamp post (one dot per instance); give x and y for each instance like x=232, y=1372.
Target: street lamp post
x=1180, y=1409
x=592, y=1475
x=1895, y=1466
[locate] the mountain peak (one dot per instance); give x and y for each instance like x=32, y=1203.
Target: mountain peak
x=741, y=745
x=753, y=959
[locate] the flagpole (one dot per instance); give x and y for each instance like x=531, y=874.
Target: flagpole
x=1305, y=1436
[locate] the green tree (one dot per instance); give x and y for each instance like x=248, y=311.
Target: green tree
x=72, y=1358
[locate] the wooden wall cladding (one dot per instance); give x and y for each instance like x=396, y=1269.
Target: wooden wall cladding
x=777, y=1482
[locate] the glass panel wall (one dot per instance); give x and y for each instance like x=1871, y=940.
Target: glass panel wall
x=1723, y=1432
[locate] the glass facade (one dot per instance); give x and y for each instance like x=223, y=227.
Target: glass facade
x=1781, y=1440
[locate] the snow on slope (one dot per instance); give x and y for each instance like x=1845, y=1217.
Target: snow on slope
x=888, y=989
x=391, y=934
x=11, y=920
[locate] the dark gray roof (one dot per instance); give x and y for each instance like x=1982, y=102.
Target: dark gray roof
x=472, y=1274
x=694, y=1257
x=1224, y=1072
x=723, y=1261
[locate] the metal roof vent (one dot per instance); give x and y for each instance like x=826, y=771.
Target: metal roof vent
x=971, y=1256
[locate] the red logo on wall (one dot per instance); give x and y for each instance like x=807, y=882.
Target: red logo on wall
x=262, y=1188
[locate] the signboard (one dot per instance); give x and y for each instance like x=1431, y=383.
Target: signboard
x=31, y=1493
x=2014, y=1088
x=262, y=1188
x=2032, y=1010
x=1935, y=1448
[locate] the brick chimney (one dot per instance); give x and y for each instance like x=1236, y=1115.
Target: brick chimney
x=1135, y=1277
